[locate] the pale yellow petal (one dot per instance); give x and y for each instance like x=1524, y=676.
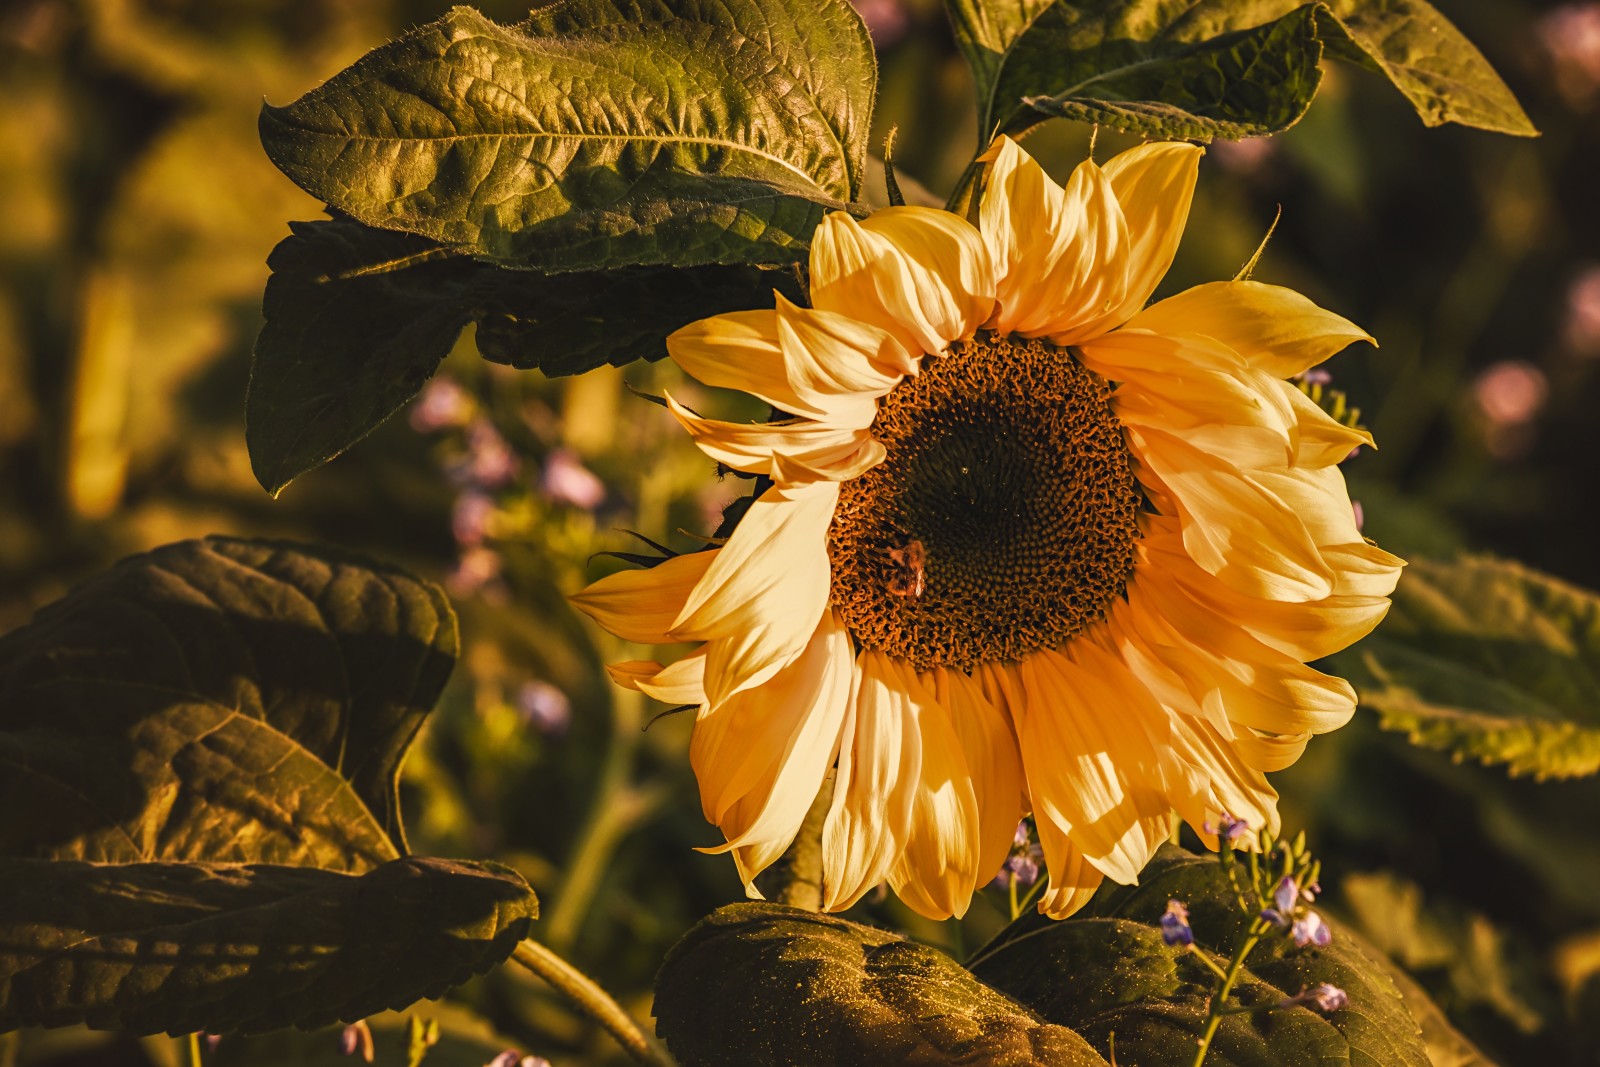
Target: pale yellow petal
x=759, y=601
x=1154, y=185
x=880, y=761
x=922, y=274
x=1072, y=881
x=990, y=746
x=1061, y=253
x=1274, y=328
x=678, y=683
x=642, y=605
x=939, y=868
x=761, y=756
x=792, y=451
x=1321, y=440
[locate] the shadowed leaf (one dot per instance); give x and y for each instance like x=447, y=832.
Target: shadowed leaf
x=1489, y=660
x=598, y=133
x=761, y=985
x=151, y=947
x=220, y=700
x=357, y=319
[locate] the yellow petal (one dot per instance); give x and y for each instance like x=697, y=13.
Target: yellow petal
x=920, y=273
x=642, y=605
x=880, y=761
x=1072, y=882
x=680, y=683
x=990, y=746
x=1321, y=440
x=793, y=450
x=810, y=363
x=1092, y=775
x=1274, y=328
x=1154, y=185
x=939, y=868
x=1061, y=254
x=759, y=601
x=760, y=757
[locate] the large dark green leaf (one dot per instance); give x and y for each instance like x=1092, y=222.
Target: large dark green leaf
x=598, y=133
x=1486, y=659
x=220, y=700
x=1185, y=69
x=762, y=985
x=151, y=947
x=1109, y=972
x=358, y=318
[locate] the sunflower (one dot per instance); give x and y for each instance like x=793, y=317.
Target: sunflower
x=1025, y=544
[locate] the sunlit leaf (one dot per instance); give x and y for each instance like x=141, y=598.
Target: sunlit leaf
x=598, y=133
x=357, y=319
x=762, y=985
x=151, y=947
x=220, y=700
x=1218, y=68
x=1108, y=972
x=1489, y=660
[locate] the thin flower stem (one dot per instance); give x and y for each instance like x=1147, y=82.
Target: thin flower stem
x=194, y=1050
x=1214, y=1012
x=593, y=1001
x=1016, y=906
x=1205, y=958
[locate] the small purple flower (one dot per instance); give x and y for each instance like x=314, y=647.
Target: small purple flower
x=477, y=568
x=1227, y=828
x=544, y=707
x=1323, y=996
x=442, y=404
x=470, y=516
x=1023, y=863
x=489, y=463
x=1286, y=896
x=356, y=1040
x=1316, y=376
x=1175, y=929
x=211, y=1041
x=512, y=1058
x=1309, y=929
x=567, y=481
x=1360, y=514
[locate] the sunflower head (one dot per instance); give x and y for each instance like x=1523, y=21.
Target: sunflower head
x=1029, y=545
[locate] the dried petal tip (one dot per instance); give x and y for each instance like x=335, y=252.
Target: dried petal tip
x=1175, y=928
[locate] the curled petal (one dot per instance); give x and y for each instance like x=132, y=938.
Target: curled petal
x=796, y=450
x=679, y=683
x=642, y=605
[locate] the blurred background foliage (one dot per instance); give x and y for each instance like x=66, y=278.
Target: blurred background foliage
x=138, y=211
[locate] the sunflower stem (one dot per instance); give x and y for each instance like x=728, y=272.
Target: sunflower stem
x=587, y=996
x=795, y=878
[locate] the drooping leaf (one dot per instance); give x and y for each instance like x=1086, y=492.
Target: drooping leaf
x=762, y=985
x=598, y=133
x=1108, y=971
x=357, y=319
x=220, y=700
x=151, y=947
x=1489, y=660
x=1242, y=84
x=1217, y=68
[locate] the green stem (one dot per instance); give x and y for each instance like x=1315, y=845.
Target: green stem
x=795, y=878
x=1214, y=1014
x=1016, y=905
x=593, y=1001
x=961, y=199
x=194, y=1049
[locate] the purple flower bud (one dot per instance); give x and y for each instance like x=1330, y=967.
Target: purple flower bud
x=1316, y=376
x=1287, y=896
x=477, y=568
x=567, y=481
x=211, y=1041
x=1025, y=867
x=509, y=1058
x=1023, y=863
x=1360, y=514
x=544, y=707
x=356, y=1040
x=533, y=1061
x=489, y=463
x=1328, y=997
x=441, y=404
x=1272, y=916
x=470, y=516
x=1309, y=929
x=1175, y=928
x=1228, y=828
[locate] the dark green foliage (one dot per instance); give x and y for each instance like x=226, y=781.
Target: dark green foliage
x=1486, y=659
x=1218, y=68
x=220, y=700
x=762, y=985
x=179, y=947
x=357, y=319
x=597, y=134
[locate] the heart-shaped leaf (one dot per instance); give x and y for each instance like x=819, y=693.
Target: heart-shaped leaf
x=1486, y=659
x=220, y=700
x=598, y=133
x=150, y=947
x=357, y=319
x=1216, y=68
x=1109, y=972
x=762, y=985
